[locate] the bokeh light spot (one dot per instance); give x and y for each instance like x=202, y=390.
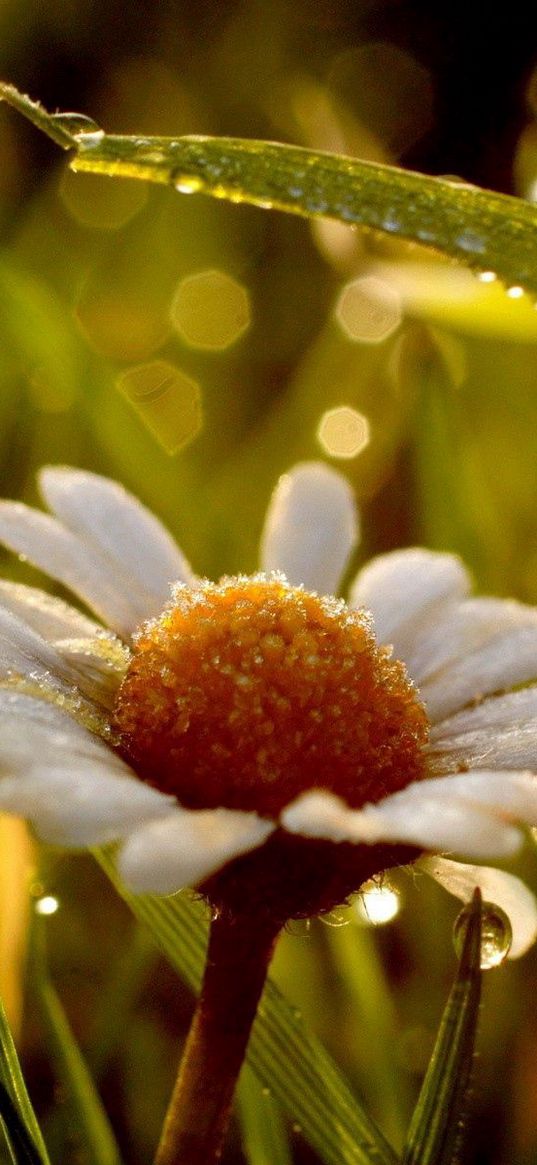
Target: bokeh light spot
x=369, y=310
x=210, y=310
x=377, y=903
x=343, y=432
x=96, y=202
x=167, y=400
x=48, y=904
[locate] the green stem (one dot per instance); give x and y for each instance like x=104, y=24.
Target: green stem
x=240, y=948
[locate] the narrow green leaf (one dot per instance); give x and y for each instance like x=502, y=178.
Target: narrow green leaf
x=12, y=1082
x=265, y=1140
x=21, y=1145
x=100, y=1147
x=435, y=1130
x=480, y=228
x=285, y=1057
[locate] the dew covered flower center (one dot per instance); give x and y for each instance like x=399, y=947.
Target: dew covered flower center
x=248, y=692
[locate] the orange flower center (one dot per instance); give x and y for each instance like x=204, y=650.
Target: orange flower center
x=248, y=692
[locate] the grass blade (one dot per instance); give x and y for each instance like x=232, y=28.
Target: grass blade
x=479, y=228
x=284, y=1056
x=92, y=1123
x=435, y=1130
x=20, y=1142
x=12, y=1083
x=265, y=1140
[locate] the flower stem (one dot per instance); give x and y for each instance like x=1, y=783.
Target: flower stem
x=240, y=947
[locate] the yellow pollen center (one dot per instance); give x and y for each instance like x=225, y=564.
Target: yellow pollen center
x=248, y=692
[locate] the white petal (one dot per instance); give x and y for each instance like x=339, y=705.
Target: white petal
x=311, y=527
x=186, y=846
x=25, y=653
x=500, y=733
x=458, y=628
x=507, y=659
x=36, y=731
x=513, y=710
x=440, y=814
x=103, y=513
x=402, y=588
x=97, y=666
x=81, y=804
x=49, y=616
x=321, y=814
x=73, y=787
x=95, y=578
x=94, y=667
x=497, y=887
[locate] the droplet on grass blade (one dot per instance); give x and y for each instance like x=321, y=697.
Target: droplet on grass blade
x=78, y=125
x=496, y=934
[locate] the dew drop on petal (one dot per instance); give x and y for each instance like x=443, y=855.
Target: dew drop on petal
x=496, y=934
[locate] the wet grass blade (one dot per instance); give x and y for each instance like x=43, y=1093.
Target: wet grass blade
x=92, y=1123
x=264, y=1135
x=479, y=228
x=436, y=1127
x=21, y=1145
x=286, y=1058
x=18, y=1102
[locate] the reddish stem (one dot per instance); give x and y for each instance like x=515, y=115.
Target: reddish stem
x=240, y=948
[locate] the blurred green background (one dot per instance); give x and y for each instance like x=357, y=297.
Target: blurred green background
x=194, y=350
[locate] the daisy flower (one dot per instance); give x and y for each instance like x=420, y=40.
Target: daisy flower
x=192, y=729
x=258, y=738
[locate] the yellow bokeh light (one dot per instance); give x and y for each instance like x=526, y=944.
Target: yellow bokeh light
x=167, y=400
x=343, y=432
x=369, y=310
x=97, y=203
x=210, y=310
x=377, y=904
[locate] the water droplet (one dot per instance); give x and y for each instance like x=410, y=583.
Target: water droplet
x=334, y=918
x=456, y=180
x=79, y=126
x=471, y=242
x=496, y=934
x=296, y=1128
x=487, y=276
x=515, y=292
x=317, y=205
x=426, y=235
x=391, y=222
x=188, y=183
x=148, y=155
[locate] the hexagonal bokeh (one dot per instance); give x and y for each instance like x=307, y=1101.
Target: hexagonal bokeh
x=210, y=310
x=343, y=432
x=368, y=310
x=167, y=400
